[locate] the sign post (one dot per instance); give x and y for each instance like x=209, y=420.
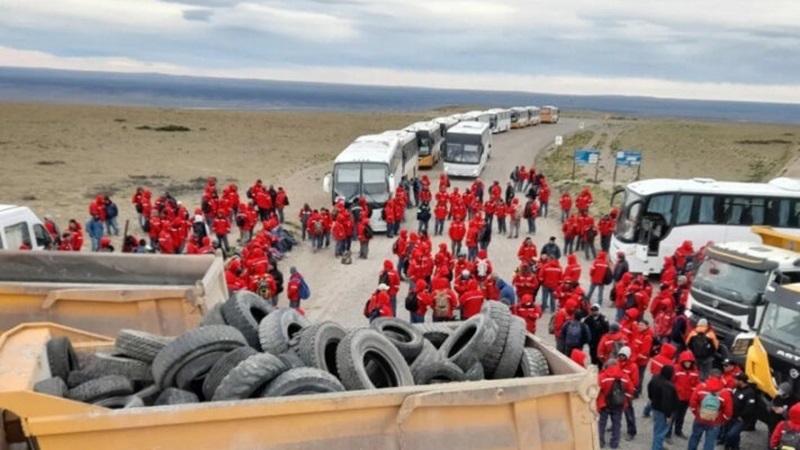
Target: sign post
x=628, y=158
x=586, y=156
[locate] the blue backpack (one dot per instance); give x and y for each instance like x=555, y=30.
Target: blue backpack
x=305, y=291
x=573, y=334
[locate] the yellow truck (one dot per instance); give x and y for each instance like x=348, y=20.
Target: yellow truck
x=548, y=413
x=104, y=292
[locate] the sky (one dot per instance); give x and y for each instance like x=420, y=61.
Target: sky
x=700, y=49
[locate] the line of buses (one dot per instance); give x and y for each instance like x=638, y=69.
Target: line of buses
x=373, y=165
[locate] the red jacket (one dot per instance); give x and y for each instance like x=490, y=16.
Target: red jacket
x=606, y=379
x=565, y=202
x=599, y=268
x=642, y=346
x=793, y=424
x=605, y=226
x=551, y=275
x=525, y=284
x=530, y=312
x=221, y=226
x=457, y=231
x=471, y=301
x=389, y=275
x=712, y=385
x=606, y=344
x=665, y=357
x=362, y=226
x=440, y=211
x=686, y=379
x=472, y=237
x=380, y=302
x=570, y=227
x=451, y=297
x=527, y=253
x=573, y=270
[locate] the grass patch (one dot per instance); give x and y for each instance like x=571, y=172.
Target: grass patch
x=165, y=128
x=120, y=120
x=763, y=141
x=29, y=198
x=56, y=162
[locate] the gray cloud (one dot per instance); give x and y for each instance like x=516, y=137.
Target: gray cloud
x=199, y=15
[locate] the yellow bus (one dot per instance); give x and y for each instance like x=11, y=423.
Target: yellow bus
x=430, y=140
x=548, y=114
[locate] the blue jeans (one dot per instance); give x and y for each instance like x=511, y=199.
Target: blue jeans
x=338, y=249
x=393, y=300
x=569, y=246
x=501, y=225
x=294, y=304
x=616, y=426
x=600, y=288
x=630, y=420
x=543, y=209
x=733, y=434
x=564, y=215
x=698, y=429
x=280, y=214
x=472, y=253
x=111, y=226
x=547, y=293
x=417, y=318
x=589, y=251
x=660, y=428
x=531, y=225
x=438, y=227
x=95, y=243
x=455, y=248
x=620, y=314
x=318, y=241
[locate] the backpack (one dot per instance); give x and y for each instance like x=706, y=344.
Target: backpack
x=305, y=291
x=384, y=278
x=250, y=193
x=412, y=302
x=526, y=213
x=790, y=439
x=441, y=305
x=573, y=334
x=608, y=277
x=485, y=234
x=615, y=399
x=630, y=301
x=710, y=407
x=482, y=267
x=205, y=206
x=368, y=231
x=394, y=247
x=240, y=220
x=318, y=228
x=701, y=346
x=551, y=326
x=263, y=289
x=139, y=208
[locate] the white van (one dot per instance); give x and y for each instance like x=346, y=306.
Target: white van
x=20, y=226
x=469, y=145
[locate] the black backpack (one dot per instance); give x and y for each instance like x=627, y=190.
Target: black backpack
x=630, y=301
x=790, y=439
x=384, y=278
x=701, y=346
x=615, y=399
x=368, y=231
x=608, y=278
x=412, y=303
x=573, y=333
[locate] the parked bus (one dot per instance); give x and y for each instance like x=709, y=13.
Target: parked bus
x=469, y=145
x=430, y=141
x=658, y=215
x=372, y=166
x=498, y=119
x=548, y=114
x=520, y=117
x=534, y=115
x=446, y=123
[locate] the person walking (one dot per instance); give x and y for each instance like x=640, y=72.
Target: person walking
x=94, y=228
x=616, y=392
x=712, y=406
x=365, y=234
x=297, y=288
x=598, y=327
x=664, y=401
x=514, y=215
x=600, y=275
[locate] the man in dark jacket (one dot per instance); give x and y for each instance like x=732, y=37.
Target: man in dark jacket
x=575, y=334
x=551, y=249
x=598, y=327
x=664, y=400
x=744, y=412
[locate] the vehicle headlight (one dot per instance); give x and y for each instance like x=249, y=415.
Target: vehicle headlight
x=740, y=346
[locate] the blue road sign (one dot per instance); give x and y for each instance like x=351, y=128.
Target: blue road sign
x=587, y=156
x=629, y=158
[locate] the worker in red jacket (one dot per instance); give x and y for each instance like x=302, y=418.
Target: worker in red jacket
x=444, y=300
x=787, y=433
x=572, y=272
x=471, y=301
x=379, y=304
x=364, y=232
x=439, y=216
x=665, y=357
x=712, y=406
x=561, y=317
x=606, y=228
x=281, y=201
x=668, y=273
x=642, y=346
x=264, y=203
x=390, y=218
x=472, y=241
x=570, y=228
x=399, y=248
x=584, y=200
x=527, y=251
x=566, y=206
x=221, y=227
x=686, y=378
x=544, y=200
x=418, y=291
x=599, y=275
x=611, y=375
x=528, y=311
x=525, y=282
x=615, y=338
x=551, y=276
x=457, y=231
x=233, y=275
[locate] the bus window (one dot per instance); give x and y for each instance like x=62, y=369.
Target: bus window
x=17, y=235
x=42, y=236
x=628, y=221
x=685, y=205
x=661, y=204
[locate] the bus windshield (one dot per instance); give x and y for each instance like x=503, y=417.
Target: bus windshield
x=367, y=179
x=731, y=282
x=781, y=324
x=347, y=177
x=463, y=153
x=376, y=184
x=629, y=217
x=424, y=144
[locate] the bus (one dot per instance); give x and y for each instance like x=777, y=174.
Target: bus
x=468, y=147
x=534, y=115
x=430, y=140
x=520, y=117
x=498, y=119
x=548, y=114
x=446, y=123
x=657, y=215
x=372, y=167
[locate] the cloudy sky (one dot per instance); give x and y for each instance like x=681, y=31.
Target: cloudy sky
x=714, y=49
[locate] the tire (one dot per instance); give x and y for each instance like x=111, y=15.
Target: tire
x=249, y=378
x=61, y=357
x=122, y=402
x=222, y=367
x=190, y=345
x=427, y=356
x=279, y=328
x=435, y=333
x=192, y=375
x=100, y=388
x=512, y=351
x=244, y=310
x=78, y=377
x=173, y=396
x=470, y=340
x=303, y=381
x=501, y=315
x=366, y=359
x=407, y=338
x=213, y=317
x=317, y=344
x=139, y=344
x=439, y=372
x=292, y=360
x=52, y=386
x=102, y=364
x=533, y=364
x=149, y=394
x=475, y=372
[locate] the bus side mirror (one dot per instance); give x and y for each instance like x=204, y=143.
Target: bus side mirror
x=751, y=316
x=326, y=183
x=759, y=299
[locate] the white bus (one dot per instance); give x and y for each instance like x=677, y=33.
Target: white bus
x=657, y=215
x=430, y=141
x=469, y=145
x=533, y=114
x=499, y=119
x=520, y=117
x=372, y=166
x=548, y=114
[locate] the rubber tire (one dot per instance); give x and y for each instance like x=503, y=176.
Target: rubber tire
x=139, y=345
x=435, y=333
x=407, y=338
x=427, y=356
x=317, y=344
x=292, y=360
x=249, y=378
x=475, y=373
x=303, y=381
x=173, y=396
x=244, y=310
x=192, y=375
x=222, y=368
x=213, y=317
x=78, y=377
x=533, y=364
x=501, y=316
x=470, y=340
x=439, y=372
x=61, y=357
x=149, y=394
x=102, y=364
x=512, y=351
x=100, y=388
x=121, y=402
x=190, y=345
x=353, y=370
x=279, y=328
x=54, y=386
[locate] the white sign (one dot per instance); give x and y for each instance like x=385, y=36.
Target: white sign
x=559, y=140
x=581, y=125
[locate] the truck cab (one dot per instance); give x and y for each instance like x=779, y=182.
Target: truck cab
x=20, y=228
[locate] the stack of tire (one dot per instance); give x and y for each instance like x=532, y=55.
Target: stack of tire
x=245, y=348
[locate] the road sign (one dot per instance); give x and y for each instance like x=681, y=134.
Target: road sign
x=559, y=140
x=629, y=158
x=581, y=125
x=587, y=156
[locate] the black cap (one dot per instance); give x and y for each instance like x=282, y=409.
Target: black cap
x=727, y=362
x=741, y=376
x=552, y=238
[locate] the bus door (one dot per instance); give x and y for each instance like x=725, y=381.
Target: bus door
x=654, y=228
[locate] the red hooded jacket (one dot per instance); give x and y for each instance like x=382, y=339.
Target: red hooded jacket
x=712, y=385
x=606, y=379
x=686, y=378
x=793, y=424
x=599, y=268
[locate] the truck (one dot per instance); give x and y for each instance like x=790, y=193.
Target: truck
x=20, y=227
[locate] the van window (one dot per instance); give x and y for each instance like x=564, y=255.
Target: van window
x=17, y=234
x=42, y=236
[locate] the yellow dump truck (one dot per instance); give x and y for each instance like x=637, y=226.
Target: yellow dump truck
x=548, y=413
x=103, y=292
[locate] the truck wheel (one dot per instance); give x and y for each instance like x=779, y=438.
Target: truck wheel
x=193, y=373
x=222, y=368
x=439, y=372
x=279, y=328
x=213, y=316
x=78, y=377
x=101, y=364
x=61, y=357
x=190, y=345
x=303, y=381
x=173, y=396
x=52, y=386
x=292, y=360
x=436, y=333
x=533, y=364
x=428, y=355
x=316, y=345
x=139, y=344
x=122, y=402
x=501, y=315
x=470, y=340
x=244, y=310
x=403, y=335
x=366, y=359
x=100, y=388
x=512, y=350
x=247, y=379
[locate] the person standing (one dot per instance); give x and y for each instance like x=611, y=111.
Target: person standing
x=378, y=304
x=440, y=214
x=575, y=334
x=663, y=400
x=605, y=227
x=515, y=215
x=598, y=327
x=365, y=234
x=112, y=212
x=787, y=432
x=600, y=276
x=423, y=217
x=712, y=406
x=616, y=391
x=744, y=412
x=551, y=249
x=703, y=343
x=94, y=228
